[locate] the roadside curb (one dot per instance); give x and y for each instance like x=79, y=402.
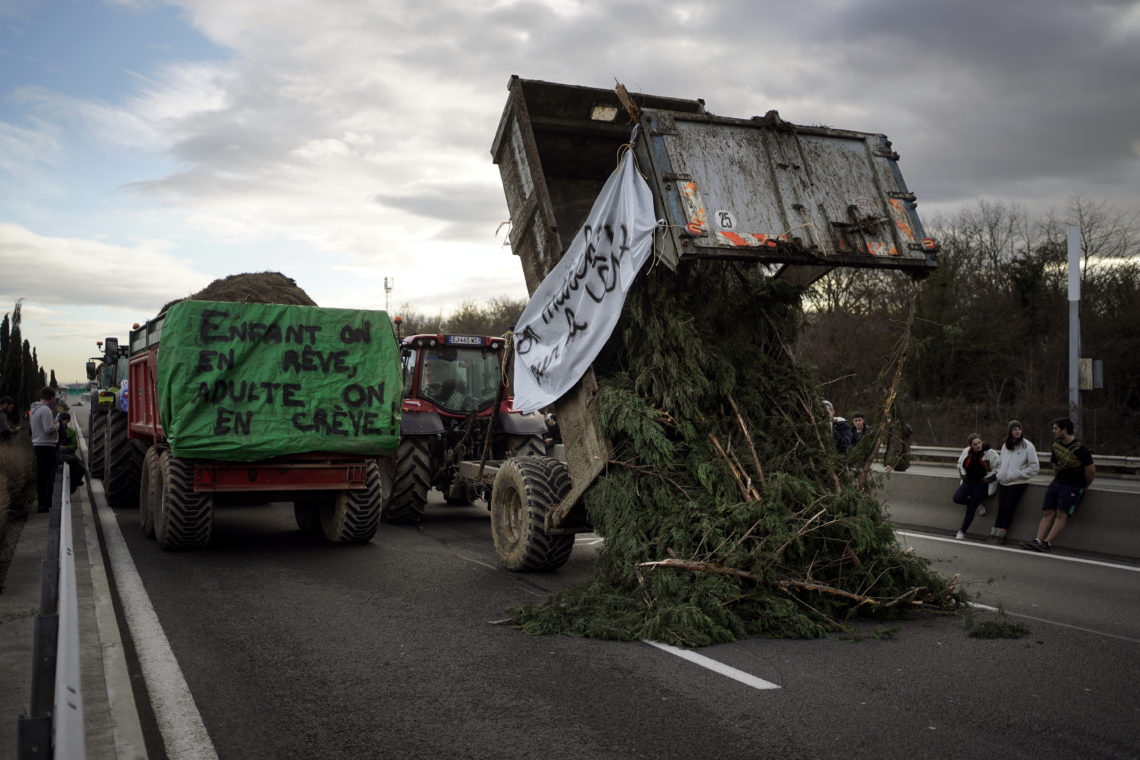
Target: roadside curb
x=125, y=727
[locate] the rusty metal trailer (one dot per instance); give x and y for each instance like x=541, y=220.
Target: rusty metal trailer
x=796, y=200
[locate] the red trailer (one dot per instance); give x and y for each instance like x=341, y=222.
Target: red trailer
x=233, y=408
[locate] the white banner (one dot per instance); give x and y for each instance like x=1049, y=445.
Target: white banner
x=572, y=313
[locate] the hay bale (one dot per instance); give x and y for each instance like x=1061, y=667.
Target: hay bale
x=251, y=287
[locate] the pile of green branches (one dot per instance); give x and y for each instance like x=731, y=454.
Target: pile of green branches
x=725, y=508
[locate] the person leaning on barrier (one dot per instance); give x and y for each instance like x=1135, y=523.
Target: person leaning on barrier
x=975, y=464
x=1018, y=465
x=1074, y=471
x=45, y=441
x=69, y=451
x=7, y=430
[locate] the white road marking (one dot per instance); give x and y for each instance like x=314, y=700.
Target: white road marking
x=178, y=719
x=1019, y=550
x=1054, y=622
x=717, y=667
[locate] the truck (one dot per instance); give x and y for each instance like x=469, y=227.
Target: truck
x=250, y=403
x=112, y=456
x=455, y=408
x=795, y=200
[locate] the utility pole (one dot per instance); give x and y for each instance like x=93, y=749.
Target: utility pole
x=388, y=285
x=1074, y=325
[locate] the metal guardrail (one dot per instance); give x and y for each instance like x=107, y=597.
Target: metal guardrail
x=1126, y=467
x=54, y=727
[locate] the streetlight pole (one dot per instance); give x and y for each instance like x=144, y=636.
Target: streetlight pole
x=1074, y=325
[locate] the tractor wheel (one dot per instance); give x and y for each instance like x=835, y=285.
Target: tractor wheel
x=526, y=445
x=96, y=441
x=122, y=463
x=526, y=488
x=352, y=518
x=184, y=518
x=150, y=487
x=413, y=481
x=307, y=513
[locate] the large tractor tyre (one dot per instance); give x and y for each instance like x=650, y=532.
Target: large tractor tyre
x=150, y=488
x=413, y=481
x=526, y=445
x=526, y=488
x=122, y=463
x=184, y=519
x=96, y=442
x=307, y=513
x=352, y=518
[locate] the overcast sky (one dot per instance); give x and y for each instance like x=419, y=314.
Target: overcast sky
x=147, y=148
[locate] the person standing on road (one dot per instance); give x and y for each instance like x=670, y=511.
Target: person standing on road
x=45, y=441
x=1018, y=464
x=1074, y=471
x=975, y=464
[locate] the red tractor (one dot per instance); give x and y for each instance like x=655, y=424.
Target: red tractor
x=457, y=407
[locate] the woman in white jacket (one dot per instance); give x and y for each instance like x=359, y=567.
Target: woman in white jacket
x=1018, y=465
x=975, y=465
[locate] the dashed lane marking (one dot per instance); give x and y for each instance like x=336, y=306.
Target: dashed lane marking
x=717, y=667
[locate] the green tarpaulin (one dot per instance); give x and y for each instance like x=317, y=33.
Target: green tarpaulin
x=245, y=382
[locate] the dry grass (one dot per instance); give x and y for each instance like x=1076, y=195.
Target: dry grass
x=17, y=482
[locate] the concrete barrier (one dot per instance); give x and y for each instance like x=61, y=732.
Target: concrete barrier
x=1106, y=522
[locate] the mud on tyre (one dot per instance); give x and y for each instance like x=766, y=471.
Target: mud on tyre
x=525, y=489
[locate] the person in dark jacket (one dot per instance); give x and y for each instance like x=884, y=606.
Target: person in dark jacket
x=840, y=430
x=975, y=464
x=7, y=430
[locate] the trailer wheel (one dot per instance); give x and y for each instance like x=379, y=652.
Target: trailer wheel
x=96, y=441
x=307, y=513
x=352, y=518
x=525, y=489
x=150, y=488
x=413, y=481
x=526, y=445
x=122, y=463
x=184, y=518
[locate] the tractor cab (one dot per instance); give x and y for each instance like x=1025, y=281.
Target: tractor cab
x=459, y=375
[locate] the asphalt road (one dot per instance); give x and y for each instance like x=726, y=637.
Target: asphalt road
x=295, y=647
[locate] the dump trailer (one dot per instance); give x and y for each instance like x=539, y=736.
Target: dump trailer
x=794, y=200
x=241, y=403
x=455, y=408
